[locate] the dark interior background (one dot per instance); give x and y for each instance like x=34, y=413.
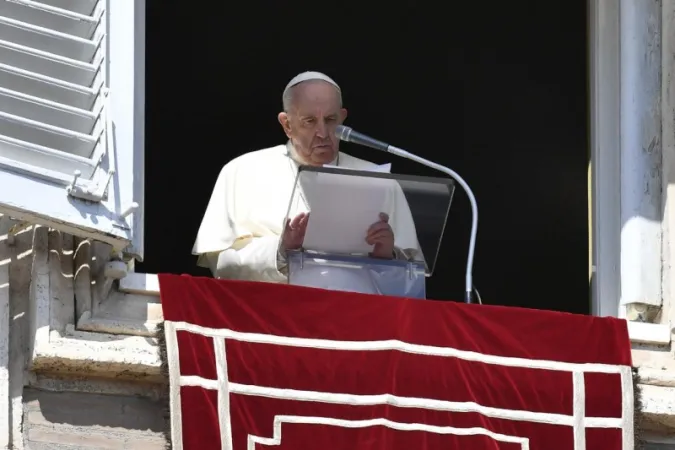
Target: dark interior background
x=496, y=90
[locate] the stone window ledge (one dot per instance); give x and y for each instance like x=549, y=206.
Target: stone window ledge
x=141, y=284
x=80, y=352
x=649, y=333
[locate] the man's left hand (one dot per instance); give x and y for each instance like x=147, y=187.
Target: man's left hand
x=381, y=236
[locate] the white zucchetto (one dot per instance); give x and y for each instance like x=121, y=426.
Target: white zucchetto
x=310, y=76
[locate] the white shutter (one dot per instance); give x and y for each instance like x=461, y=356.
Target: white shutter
x=71, y=116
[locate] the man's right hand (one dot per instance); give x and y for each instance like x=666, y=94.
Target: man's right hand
x=294, y=232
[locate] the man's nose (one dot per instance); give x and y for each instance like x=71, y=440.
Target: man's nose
x=322, y=130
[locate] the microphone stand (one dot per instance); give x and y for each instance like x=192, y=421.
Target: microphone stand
x=468, y=293
x=347, y=134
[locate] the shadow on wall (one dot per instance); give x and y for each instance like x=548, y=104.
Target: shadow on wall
x=92, y=420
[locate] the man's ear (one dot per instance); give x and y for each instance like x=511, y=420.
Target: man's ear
x=285, y=123
x=343, y=115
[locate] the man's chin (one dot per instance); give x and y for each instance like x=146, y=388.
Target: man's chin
x=323, y=155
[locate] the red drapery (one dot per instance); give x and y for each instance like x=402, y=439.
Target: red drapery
x=284, y=367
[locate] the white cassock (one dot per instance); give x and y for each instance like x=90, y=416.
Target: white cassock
x=245, y=215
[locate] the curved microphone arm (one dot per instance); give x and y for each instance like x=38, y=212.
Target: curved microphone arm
x=347, y=134
x=474, y=211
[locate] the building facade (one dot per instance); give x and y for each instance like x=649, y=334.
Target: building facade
x=79, y=357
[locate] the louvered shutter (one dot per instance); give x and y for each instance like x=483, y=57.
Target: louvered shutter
x=71, y=116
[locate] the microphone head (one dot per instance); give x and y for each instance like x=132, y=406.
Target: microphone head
x=342, y=132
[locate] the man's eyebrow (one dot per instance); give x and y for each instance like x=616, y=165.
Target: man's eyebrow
x=312, y=116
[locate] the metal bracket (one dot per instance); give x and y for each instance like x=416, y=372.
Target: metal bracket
x=92, y=194
x=97, y=191
x=126, y=212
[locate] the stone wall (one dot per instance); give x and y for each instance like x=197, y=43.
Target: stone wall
x=86, y=421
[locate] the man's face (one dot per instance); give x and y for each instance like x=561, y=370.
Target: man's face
x=310, y=123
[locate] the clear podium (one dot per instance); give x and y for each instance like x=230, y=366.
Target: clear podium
x=342, y=204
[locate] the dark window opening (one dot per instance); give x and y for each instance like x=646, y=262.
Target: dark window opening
x=496, y=92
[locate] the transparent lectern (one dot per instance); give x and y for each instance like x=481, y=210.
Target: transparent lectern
x=342, y=204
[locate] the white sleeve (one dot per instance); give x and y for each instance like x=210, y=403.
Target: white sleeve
x=256, y=261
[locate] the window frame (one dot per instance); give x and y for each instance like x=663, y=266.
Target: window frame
x=605, y=183
x=604, y=119
x=605, y=138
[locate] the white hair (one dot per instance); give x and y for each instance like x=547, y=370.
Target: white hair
x=287, y=97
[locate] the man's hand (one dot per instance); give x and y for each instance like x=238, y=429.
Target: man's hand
x=381, y=236
x=294, y=232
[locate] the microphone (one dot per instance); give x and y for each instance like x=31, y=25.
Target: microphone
x=348, y=135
